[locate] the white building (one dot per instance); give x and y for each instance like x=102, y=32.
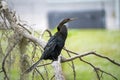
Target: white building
x=35, y=11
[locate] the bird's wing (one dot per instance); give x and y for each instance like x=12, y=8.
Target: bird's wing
x=50, y=42
x=50, y=47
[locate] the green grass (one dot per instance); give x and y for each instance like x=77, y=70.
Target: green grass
x=104, y=42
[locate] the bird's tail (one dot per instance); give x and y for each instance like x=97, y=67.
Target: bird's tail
x=32, y=67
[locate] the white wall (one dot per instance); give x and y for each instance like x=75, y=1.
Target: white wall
x=32, y=11
x=35, y=11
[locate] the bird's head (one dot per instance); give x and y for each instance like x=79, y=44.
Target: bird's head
x=63, y=22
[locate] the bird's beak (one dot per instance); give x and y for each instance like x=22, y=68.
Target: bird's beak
x=72, y=19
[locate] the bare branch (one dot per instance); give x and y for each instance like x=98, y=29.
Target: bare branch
x=50, y=34
x=7, y=54
x=52, y=77
x=34, y=51
x=44, y=64
x=58, y=70
x=1, y=50
x=40, y=73
x=107, y=73
x=96, y=70
x=73, y=66
x=112, y=61
x=89, y=53
x=41, y=42
x=33, y=74
x=11, y=19
x=10, y=47
x=46, y=72
x=24, y=28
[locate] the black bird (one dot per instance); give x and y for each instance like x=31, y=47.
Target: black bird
x=55, y=44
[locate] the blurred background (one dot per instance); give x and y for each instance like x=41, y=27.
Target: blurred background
x=90, y=13
x=96, y=29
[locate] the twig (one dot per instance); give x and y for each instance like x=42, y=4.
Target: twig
x=4, y=21
x=70, y=51
x=7, y=54
x=33, y=74
x=47, y=77
x=44, y=64
x=73, y=66
x=46, y=30
x=34, y=51
x=24, y=28
x=118, y=64
x=40, y=73
x=1, y=50
x=107, y=73
x=96, y=69
x=89, y=53
x=4, y=18
x=52, y=77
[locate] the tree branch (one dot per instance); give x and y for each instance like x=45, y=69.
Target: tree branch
x=40, y=73
x=89, y=53
x=86, y=54
x=95, y=69
x=9, y=49
x=98, y=69
x=58, y=70
x=73, y=66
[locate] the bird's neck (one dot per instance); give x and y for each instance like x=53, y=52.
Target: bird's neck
x=64, y=32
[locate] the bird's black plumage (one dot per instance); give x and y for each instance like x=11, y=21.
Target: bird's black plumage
x=54, y=46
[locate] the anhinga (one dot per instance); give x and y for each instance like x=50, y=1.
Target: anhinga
x=55, y=44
